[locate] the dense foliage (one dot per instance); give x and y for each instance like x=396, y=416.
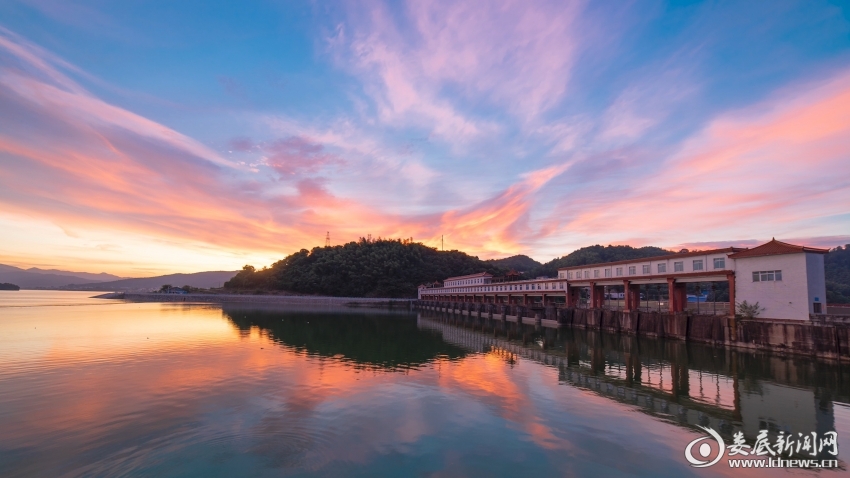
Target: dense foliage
x=381, y=268
x=837, y=264
x=596, y=254
x=519, y=263
x=8, y=286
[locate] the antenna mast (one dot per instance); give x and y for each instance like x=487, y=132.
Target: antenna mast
x=442, y=246
x=328, y=239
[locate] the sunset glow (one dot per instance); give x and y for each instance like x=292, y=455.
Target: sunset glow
x=142, y=141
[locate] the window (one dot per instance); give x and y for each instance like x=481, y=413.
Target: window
x=719, y=263
x=596, y=273
x=678, y=266
x=698, y=264
x=587, y=274
x=816, y=308
x=570, y=275
x=632, y=270
x=619, y=271
x=662, y=268
x=767, y=276
x=607, y=272
x=645, y=269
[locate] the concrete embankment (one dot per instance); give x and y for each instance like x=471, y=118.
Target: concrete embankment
x=827, y=337
x=294, y=300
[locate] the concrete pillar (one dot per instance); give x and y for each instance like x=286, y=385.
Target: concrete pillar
x=671, y=294
x=597, y=296
x=632, y=295
x=731, y=278
x=572, y=296
x=678, y=295
x=593, y=295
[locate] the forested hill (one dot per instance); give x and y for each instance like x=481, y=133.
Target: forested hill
x=596, y=254
x=837, y=265
x=518, y=263
x=382, y=268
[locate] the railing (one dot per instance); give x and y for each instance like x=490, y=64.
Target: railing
x=699, y=308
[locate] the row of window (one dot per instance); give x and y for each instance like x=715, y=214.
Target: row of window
x=678, y=266
x=465, y=282
x=758, y=276
x=517, y=287
x=767, y=276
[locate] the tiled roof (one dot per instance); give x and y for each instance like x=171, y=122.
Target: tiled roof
x=655, y=258
x=775, y=247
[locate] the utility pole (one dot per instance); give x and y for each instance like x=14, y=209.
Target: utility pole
x=328, y=239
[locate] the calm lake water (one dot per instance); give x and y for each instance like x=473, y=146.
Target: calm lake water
x=92, y=387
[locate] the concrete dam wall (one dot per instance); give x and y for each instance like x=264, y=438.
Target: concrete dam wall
x=827, y=338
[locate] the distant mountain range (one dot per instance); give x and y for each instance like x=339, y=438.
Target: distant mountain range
x=35, y=278
x=202, y=280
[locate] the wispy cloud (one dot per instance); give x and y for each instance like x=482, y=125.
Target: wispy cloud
x=775, y=168
x=506, y=127
x=423, y=64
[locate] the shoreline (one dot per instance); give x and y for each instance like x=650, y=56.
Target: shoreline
x=351, y=302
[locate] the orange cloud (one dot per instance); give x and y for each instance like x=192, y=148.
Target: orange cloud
x=772, y=169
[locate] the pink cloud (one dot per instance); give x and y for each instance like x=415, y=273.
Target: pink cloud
x=775, y=169
x=825, y=242
x=512, y=54
x=298, y=154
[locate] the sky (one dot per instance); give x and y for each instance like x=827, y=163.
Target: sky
x=140, y=138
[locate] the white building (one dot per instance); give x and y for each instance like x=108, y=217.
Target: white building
x=786, y=280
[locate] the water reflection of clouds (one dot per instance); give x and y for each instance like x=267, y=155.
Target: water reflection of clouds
x=203, y=390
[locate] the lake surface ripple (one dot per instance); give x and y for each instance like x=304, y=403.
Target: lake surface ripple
x=92, y=387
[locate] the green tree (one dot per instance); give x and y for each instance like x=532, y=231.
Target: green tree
x=747, y=310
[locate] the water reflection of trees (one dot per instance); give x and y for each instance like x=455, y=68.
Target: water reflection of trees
x=371, y=339
x=689, y=384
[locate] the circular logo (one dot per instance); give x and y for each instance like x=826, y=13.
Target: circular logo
x=704, y=450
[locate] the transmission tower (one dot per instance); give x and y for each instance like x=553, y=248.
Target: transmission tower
x=328, y=239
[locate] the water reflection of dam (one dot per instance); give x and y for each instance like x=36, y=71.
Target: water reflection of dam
x=687, y=384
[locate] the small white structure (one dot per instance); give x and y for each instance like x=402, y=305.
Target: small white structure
x=787, y=280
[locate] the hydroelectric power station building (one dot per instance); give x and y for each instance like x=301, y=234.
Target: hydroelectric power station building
x=786, y=280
